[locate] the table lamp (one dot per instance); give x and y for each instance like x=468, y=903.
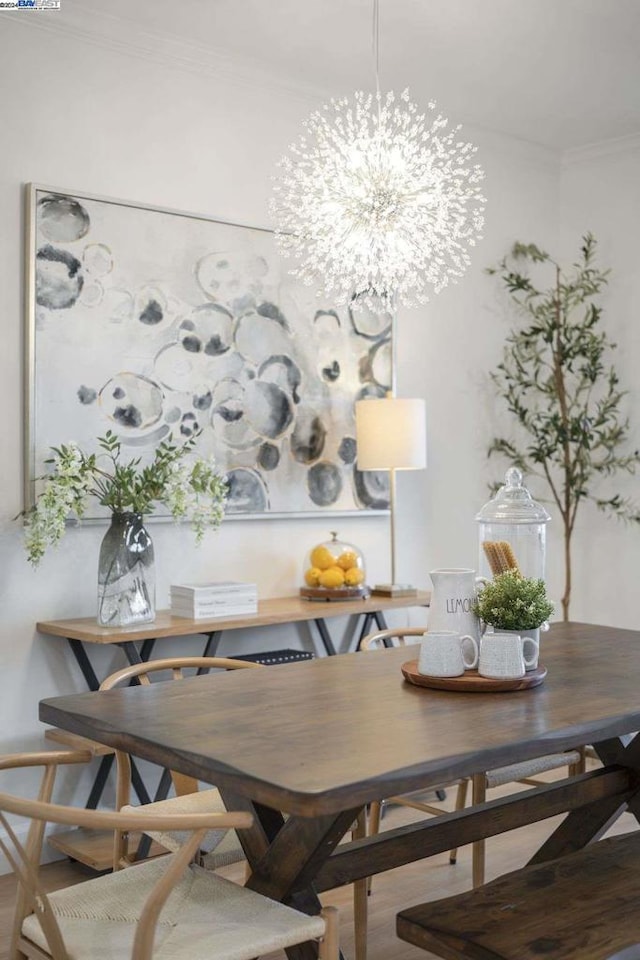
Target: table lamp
x=391, y=434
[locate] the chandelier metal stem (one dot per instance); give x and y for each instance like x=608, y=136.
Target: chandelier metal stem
x=376, y=50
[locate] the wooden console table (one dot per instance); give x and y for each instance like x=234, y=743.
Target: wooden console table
x=137, y=643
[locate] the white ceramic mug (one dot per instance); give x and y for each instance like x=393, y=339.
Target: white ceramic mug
x=503, y=656
x=444, y=653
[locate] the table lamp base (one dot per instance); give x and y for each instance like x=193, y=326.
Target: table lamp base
x=394, y=590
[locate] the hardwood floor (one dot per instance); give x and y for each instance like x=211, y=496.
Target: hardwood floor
x=429, y=879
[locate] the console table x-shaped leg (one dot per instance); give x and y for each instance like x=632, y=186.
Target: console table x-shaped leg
x=133, y=655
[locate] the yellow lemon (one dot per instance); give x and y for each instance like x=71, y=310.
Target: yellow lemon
x=348, y=559
x=312, y=576
x=322, y=558
x=354, y=577
x=332, y=578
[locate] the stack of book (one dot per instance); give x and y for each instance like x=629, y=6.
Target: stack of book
x=204, y=601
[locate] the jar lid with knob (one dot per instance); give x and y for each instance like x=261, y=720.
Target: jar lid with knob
x=512, y=530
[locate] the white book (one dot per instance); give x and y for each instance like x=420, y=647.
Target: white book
x=227, y=601
x=198, y=613
x=221, y=587
x=216, y=600
x=236, y=595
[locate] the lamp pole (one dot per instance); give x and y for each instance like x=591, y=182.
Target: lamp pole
x=393, y=346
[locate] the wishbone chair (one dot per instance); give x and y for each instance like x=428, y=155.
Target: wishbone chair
x=165, y=909
x=218, y=850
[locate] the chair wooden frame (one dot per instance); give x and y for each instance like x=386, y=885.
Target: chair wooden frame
x=25, y=859
x=372, y=642
x=50, y=760
x=183, y=785
x=573, y=760
x=187, y=785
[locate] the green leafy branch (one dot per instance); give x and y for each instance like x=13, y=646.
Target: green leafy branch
x=190, y=487
x=558, y=384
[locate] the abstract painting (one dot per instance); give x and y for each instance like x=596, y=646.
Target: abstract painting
x=155, y=323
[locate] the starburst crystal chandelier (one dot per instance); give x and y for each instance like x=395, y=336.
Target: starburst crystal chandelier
x=377, y=202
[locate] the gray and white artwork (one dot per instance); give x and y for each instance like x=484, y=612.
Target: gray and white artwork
x=152, y=323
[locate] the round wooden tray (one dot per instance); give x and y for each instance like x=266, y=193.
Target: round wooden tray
x=337, y=593
x=471, y=681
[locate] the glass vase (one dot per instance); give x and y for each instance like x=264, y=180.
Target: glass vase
x=126, y=573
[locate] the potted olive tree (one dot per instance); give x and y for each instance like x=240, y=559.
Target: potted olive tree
x=570, y=428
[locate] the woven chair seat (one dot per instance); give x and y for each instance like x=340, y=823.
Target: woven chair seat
x=98, y=918
x=531, y=768
x=220, y=847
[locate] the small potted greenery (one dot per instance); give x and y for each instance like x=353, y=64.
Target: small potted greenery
x=511, y=603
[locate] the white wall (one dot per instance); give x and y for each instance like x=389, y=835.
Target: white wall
x=447, y=349
x=100, y=120
x=600, y=190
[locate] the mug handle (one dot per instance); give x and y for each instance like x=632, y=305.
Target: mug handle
x=529, y=662
x=474, y=659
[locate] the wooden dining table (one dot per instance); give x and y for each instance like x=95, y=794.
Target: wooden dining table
x=306, y=745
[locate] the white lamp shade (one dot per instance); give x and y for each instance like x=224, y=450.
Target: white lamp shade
x=391, y=434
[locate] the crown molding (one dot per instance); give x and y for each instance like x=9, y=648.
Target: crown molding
x=602, y=149
x=124, y=36
x=508, y=144
x=127, y=37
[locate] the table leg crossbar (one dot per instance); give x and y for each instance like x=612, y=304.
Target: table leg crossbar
x=294, y=860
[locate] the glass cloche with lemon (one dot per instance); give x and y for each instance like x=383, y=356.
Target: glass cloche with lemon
x=334, y=570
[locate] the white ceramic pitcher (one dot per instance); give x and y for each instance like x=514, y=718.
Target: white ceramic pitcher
x=452, y=597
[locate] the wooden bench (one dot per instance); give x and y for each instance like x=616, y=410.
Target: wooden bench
x=584, y=906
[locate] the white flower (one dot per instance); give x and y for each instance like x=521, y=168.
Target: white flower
x=191, y=488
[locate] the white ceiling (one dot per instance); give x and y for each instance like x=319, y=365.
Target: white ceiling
x=562, y=73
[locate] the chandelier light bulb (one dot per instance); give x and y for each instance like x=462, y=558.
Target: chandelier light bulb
x=378, y=203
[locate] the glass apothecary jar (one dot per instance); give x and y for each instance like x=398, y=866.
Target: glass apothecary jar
x=334, y=570
x=512, y=531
